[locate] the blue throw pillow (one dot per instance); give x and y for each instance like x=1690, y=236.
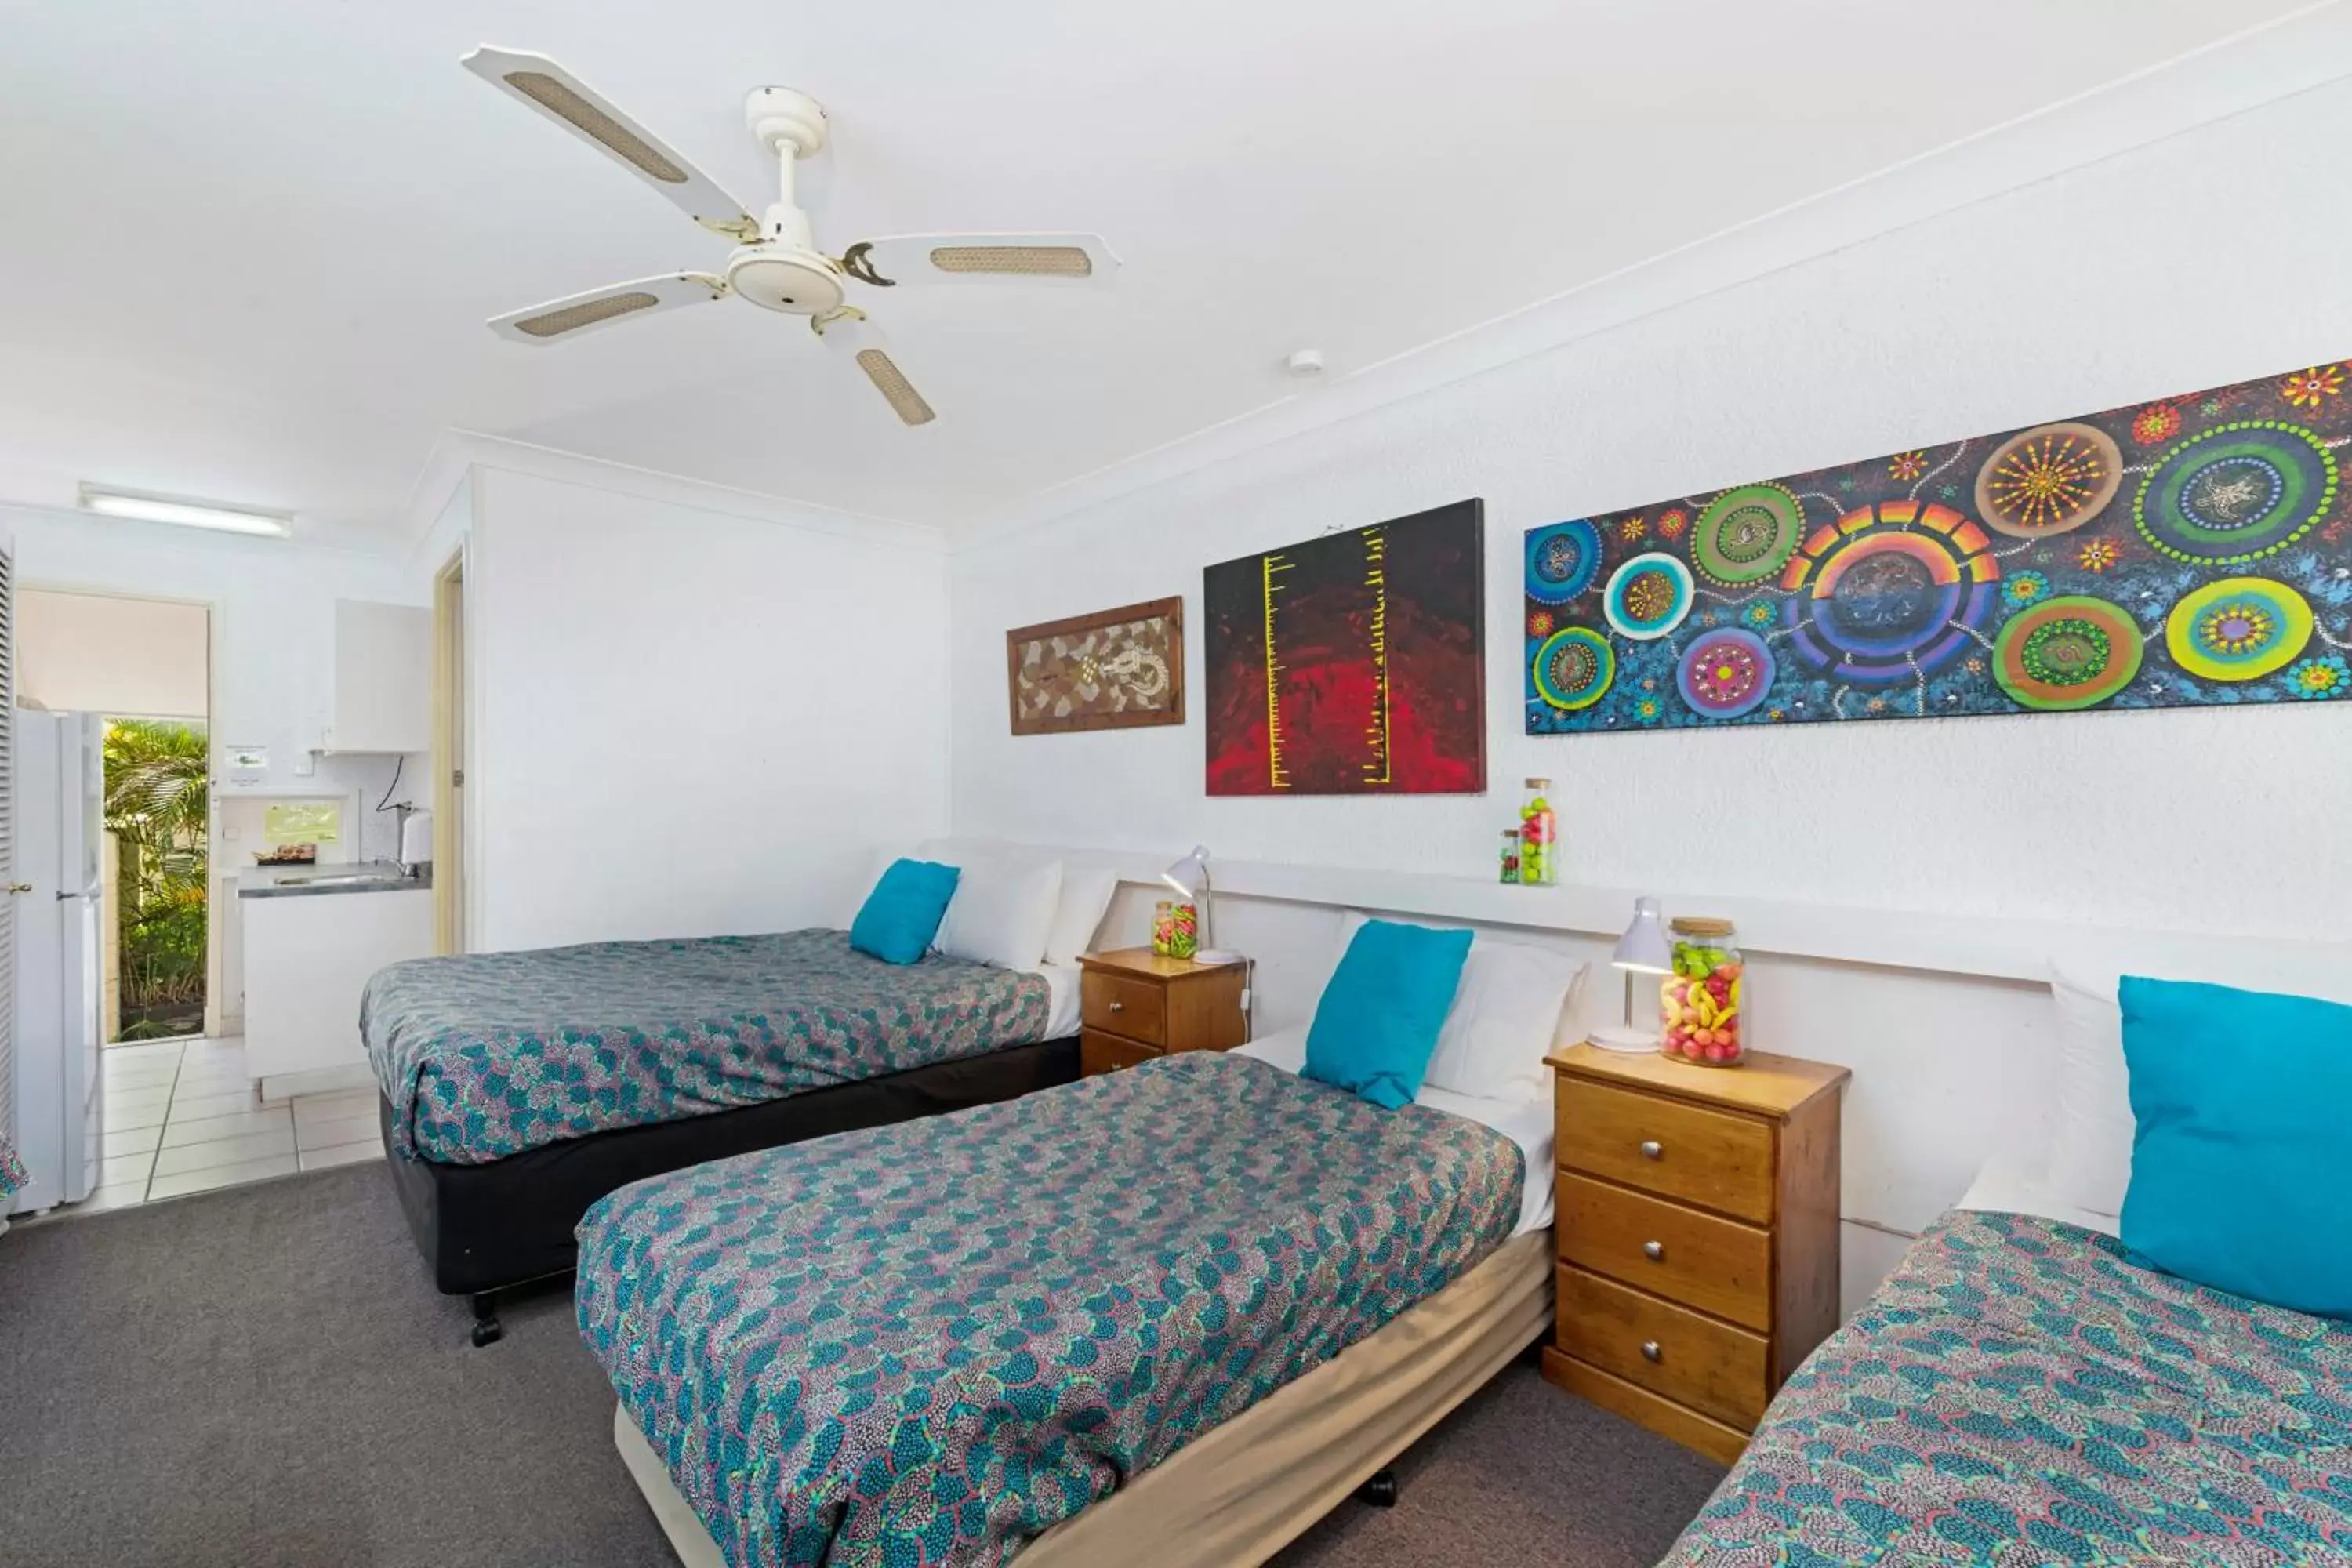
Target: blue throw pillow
x=1376, y=1026
x=901, y=915
x=2241, y=1156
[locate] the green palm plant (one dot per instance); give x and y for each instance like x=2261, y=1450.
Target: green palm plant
x=158, y=782
x=158, y=809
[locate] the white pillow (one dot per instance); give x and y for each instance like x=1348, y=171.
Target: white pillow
x=2091, y=1154
x=1002, y=907
x=1087, y=892
x=2090, y=1161
x=1511, y=1008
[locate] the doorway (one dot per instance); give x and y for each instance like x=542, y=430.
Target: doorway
x=143, y=666
x=449, y=755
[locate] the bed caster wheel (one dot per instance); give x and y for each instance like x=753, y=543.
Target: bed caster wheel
x=487, y=1330
x=1380, y=1492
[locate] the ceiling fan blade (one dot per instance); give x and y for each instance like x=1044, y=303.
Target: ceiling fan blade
x=576, y=314
x=571, y=103
x=895, y=389
x=851, y=336
x=1062, y=259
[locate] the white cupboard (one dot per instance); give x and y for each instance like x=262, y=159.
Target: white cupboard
x=383, y=679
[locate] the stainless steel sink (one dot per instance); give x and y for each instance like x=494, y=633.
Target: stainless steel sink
x=336, y=879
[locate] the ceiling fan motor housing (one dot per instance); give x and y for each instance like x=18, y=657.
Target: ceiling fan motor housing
x=788, y=123
x=785, y=270
x=780, y=277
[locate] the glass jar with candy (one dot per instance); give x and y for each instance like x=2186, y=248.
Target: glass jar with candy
x=1184, y=930
x=1702, y=1011
x=1538, y=836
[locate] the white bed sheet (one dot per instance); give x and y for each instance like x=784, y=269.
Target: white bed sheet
x=1527, y=1122
x=2017, y=1181
x=1061, y=999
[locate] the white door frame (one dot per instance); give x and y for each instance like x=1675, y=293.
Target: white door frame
x=451, y=714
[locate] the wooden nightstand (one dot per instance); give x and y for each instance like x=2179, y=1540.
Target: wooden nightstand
x=1137, y=1004
x=1697, y=1236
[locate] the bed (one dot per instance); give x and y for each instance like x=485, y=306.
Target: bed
x=1169, y=1315
x=2018, y=1391
x=515, y=1088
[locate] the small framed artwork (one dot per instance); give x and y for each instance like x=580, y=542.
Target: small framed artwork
x=1113, y=669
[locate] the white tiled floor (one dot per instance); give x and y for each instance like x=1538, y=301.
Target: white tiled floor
x=182, y=1117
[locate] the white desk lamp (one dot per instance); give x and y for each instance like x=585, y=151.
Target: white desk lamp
x=1190, y=877
x=1641, y=950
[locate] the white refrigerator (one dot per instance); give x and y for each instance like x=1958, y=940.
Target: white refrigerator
x=60, y=822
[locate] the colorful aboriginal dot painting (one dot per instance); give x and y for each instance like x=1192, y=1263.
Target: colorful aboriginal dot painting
x=2187, y=552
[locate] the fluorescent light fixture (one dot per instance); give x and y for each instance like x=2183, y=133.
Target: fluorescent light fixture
x=143, y=507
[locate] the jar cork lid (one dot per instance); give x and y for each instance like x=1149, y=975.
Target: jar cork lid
x=1700, y=925
x=1538, y=783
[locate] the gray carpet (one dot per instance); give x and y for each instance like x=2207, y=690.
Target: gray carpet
x=262, y=1377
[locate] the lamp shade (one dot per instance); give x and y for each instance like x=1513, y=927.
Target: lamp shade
x=1644, y=946
x=1191, y=874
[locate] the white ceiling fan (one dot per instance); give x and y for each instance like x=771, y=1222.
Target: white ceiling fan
x=775, y=264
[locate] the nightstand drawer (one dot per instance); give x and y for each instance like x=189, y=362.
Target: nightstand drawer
x=1100, y=1053
x=1711, y=1367
x=1136, y=1008
x=1660, y=1146
x=1702, y=1260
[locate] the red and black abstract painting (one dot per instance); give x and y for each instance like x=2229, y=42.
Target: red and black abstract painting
x=1353, y=664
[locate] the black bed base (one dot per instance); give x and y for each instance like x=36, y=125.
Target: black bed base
x=487, y=1228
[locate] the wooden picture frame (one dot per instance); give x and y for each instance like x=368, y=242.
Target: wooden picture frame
x=1053, y=670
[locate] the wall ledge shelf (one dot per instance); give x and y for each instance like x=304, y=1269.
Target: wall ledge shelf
x=1984, y=946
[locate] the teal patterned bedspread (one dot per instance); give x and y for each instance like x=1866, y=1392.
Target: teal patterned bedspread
x=924, y=1344
x=2018, y=1393
x=487, y=1055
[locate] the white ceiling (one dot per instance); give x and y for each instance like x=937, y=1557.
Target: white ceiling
x=248, y=245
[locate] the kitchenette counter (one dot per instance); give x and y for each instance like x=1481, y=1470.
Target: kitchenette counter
x=307, y=964
x=309, y=881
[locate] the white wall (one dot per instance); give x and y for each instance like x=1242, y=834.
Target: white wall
x=2092, y=289
x=688, y=719
x=2052, y=301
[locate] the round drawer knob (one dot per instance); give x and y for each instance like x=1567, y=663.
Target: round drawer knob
x=1119, y=1006
x=1653, y=1150
x=1651, y=1351
x=1655, y=1251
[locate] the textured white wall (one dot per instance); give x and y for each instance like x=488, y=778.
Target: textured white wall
x=2144, y=275
x=2204, y=259
x=689, y=722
